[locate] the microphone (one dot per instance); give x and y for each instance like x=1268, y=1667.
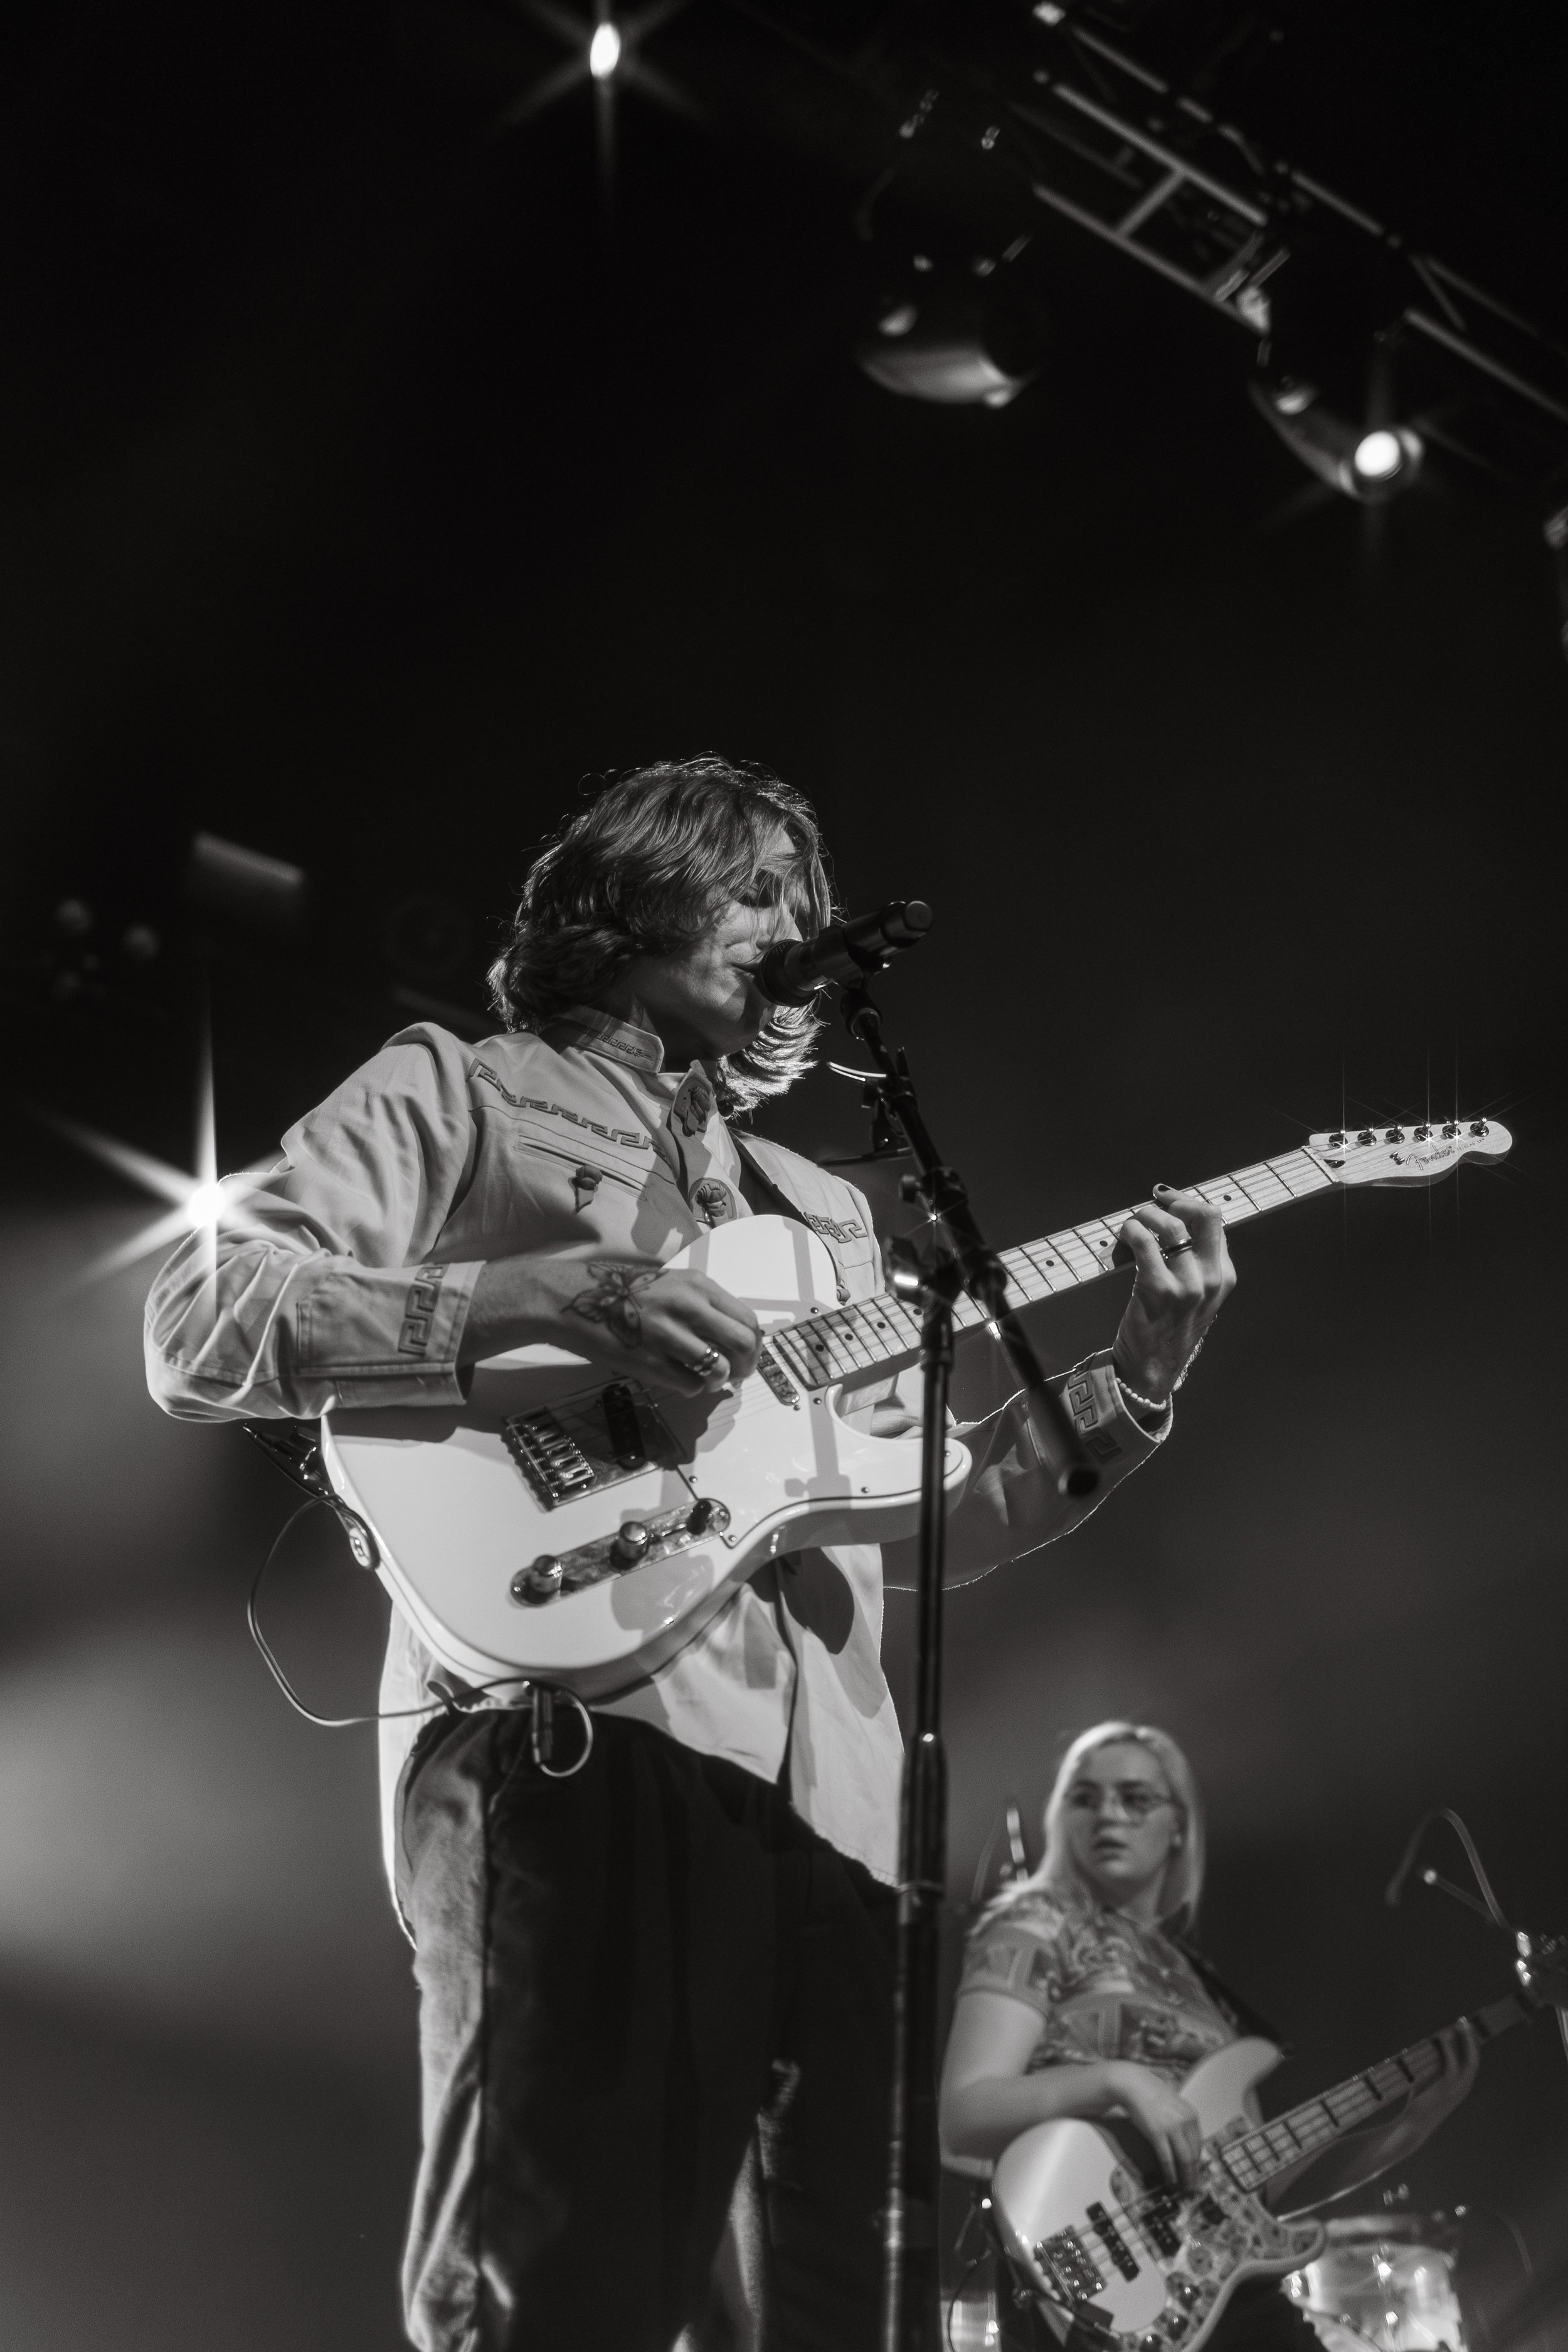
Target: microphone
x=792, y=971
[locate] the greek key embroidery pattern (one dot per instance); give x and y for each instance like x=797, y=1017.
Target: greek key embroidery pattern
x=419, y=1307
x=833, y=1232
x=558, y=1110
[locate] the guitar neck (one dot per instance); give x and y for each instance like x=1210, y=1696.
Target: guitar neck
x=1255, y=2157
x=883, y=1332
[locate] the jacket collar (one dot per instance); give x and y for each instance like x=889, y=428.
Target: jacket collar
x=600, y=1033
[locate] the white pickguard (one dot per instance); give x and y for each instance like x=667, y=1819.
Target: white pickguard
x=454, y=1517
x=1053, y=2184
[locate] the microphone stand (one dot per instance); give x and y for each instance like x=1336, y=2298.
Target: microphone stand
x=954, y=1258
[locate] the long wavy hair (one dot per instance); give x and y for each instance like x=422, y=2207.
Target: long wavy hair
x=1058, y=1873
x=643, y=870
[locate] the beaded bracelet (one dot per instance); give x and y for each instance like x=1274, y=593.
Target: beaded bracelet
x=1144, y=1404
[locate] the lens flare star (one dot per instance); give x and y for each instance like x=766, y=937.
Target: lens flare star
x=199, y=1204
x=607, y=52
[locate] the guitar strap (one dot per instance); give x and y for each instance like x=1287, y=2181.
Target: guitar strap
x=764, y=1198
x=1209, y=1977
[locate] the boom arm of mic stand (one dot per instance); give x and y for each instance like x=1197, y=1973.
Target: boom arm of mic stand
x=984, y=1276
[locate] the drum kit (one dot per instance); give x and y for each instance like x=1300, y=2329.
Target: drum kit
x=1384, y=2279
x=1383, y=2282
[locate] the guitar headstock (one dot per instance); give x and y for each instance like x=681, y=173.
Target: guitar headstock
x=1395, y=1153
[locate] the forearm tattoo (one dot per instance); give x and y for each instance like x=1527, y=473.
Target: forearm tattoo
x=612, y=1300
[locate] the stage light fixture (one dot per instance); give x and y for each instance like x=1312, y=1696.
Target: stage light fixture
x=961, y=337
x=604, y=51
x=1377, y=455
x=1385, y=459
x=1367, y=462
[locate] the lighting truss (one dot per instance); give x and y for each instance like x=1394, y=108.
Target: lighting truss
x=1155, y=173
x=1014, y=107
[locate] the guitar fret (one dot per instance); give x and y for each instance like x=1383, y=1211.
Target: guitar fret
x=1301, y=1174
x=1025, y=1276
x=1226, y=1195
x=1261, y=2154
x=1046, y=1260
x=1079, y=1261
x=832, y=1346
x=1240, y=2165
x=1262, y=1187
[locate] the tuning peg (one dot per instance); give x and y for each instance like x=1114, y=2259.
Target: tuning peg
x=1421, y=1133
x=1480, y=1126
x=1337, y=1136
x=1394, y=1135
x=1451, y=1127
x=1366, y=1136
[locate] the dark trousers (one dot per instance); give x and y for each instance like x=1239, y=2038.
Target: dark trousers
x=636, y=1985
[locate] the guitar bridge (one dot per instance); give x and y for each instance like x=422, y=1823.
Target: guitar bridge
x=588, y=1442
x=1065, y=2260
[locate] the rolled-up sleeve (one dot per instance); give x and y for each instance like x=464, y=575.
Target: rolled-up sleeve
x=324, y=1285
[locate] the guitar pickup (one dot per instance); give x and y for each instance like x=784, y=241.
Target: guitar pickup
x=1115, y=2244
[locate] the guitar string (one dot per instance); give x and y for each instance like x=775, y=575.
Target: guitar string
x=1153, y=2197
x=1298, y=1173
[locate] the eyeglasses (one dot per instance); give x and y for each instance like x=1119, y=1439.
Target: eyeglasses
x=1135, y=1799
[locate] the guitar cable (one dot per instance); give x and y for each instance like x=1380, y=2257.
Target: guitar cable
x=452, y=1703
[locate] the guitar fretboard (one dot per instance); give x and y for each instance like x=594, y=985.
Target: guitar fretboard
x=883, y=1331
x=1257, y=2155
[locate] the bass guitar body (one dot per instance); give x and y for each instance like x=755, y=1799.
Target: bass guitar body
x=581, y=1528
x=1137, y=2267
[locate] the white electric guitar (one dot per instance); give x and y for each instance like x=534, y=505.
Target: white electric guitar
x=1124, y=2263
x=581, y=1528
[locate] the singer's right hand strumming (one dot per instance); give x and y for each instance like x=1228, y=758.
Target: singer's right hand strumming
x=630, y=1317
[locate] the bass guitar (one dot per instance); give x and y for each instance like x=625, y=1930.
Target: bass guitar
x=579, y=1527
x=1122, y=2262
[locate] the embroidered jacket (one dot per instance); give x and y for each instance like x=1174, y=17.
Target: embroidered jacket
x=352, y=1287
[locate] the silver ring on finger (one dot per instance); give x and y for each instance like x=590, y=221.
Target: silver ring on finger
x=1177, y=1247
x=704, y=1364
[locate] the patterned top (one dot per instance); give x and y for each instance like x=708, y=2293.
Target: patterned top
x=1104, y=1986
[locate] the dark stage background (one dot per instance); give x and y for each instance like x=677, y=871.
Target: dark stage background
x=360, y=499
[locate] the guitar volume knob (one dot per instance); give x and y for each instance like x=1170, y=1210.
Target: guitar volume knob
x=540, y=1581
x=631, y=1545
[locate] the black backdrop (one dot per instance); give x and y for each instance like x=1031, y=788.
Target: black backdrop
x=358, y=506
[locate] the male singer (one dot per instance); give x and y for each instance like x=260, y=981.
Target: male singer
x=669, y=1972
